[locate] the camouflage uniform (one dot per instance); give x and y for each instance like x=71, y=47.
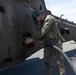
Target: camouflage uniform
x=50, y=33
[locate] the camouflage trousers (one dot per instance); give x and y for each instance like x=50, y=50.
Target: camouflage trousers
x=48, y=54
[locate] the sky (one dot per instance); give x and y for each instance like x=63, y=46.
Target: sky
x=65, y=7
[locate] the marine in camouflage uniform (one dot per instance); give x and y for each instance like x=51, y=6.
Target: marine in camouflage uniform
x=50, y=33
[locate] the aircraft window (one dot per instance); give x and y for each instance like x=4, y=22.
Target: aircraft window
x=40, y=7
x=2, y=9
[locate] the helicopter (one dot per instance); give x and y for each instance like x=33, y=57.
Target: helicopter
x=16, y=24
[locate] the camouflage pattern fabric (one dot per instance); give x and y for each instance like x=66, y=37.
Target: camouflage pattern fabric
x=50, y=30
x=51, y=33
x=49, y=53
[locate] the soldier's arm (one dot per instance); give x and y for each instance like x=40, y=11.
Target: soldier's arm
x=48, y=22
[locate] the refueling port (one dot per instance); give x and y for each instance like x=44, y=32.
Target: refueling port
x=25, y=36
x=26, y=47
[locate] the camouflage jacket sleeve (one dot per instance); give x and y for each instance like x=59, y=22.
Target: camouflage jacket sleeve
x=47, y=27
x=44, y=29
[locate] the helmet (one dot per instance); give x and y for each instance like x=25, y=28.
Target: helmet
x=36, y=13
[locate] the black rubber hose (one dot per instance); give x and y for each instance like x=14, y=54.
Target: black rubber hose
x=65, y=56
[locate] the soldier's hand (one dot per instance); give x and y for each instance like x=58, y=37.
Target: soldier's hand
x=28, y=41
